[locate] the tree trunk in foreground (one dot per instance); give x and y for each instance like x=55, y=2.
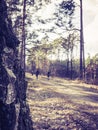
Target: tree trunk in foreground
x=14, y=112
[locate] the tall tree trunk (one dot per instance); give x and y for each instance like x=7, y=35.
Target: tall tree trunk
x=82, y=57
x=14, y=112
x=23, y=36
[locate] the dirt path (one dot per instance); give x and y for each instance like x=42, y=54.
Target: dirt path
x=59, y=104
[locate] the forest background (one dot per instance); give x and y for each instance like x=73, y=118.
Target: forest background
x=49, y=32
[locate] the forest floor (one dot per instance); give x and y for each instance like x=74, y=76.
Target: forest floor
x=60, y=104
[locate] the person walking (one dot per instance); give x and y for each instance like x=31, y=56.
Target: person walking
x=37, y=74
x=48, y=75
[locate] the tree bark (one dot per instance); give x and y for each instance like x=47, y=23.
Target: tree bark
x=14, y=111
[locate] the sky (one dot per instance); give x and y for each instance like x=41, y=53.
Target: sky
x=90, y=23
x=90, y=20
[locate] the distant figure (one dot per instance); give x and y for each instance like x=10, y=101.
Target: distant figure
x=37, y=73
x=32, y=73
x=48, y=74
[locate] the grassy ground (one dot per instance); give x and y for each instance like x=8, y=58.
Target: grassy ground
x=59, y=104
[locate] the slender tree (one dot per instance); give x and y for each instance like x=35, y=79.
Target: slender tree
x=82, y=56
x=23, y=36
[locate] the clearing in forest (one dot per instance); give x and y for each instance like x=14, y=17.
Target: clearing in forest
x=60, y=104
